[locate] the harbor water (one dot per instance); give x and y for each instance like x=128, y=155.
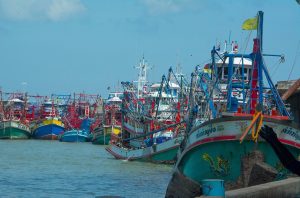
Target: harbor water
x=37, y=168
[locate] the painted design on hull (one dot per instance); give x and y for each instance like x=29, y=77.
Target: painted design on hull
x=225, y=142
x=219, y=166
x=221, y=138
x=233, y=151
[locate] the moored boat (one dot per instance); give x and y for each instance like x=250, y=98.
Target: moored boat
x=49, y=129
x=105, y=134
x=51, y=125
x=164, y=151
x=80, y=117
x=13, y=123
x=217, y=144
x=150, y=122
x=78, y=135
x=12, y=129
x=111, y=126
x=74, y=135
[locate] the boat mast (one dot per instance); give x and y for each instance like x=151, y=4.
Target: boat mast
x=142, y=78
x=25, y=107
x=1, y=106
x=157, y=101
x=180, y=75
x=257, y=74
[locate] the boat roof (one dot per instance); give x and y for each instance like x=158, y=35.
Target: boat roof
x=114, y=99
x=237, y=61
x=172, y=85
x=15, y=100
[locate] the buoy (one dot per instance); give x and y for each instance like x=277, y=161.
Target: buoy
x=213, y=187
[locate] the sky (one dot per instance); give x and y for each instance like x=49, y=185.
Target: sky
x=67, y=46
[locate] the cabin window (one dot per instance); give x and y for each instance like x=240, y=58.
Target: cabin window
x=249, y=73
x=168, y=91
x=245, y=74
x=237, y=71
x=175, y=92
x=220, y=72
x=225, y=75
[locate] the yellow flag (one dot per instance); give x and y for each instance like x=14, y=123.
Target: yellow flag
x=207, y=71
x=250, y=24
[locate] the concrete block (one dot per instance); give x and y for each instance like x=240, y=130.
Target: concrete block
x=284, y=188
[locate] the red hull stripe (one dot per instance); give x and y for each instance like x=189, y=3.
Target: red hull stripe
x=223, y=138
x=49, y=137
x=289, y=142
x=276, y=117
x=212, y=139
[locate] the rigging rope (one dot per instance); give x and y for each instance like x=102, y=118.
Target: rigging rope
x=256, y=129
x=296, y=56
x=276, y=65
x=258, y=120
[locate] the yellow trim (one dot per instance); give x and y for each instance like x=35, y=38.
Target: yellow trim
x=117, y=131
x=53, y=121
x=108, y=129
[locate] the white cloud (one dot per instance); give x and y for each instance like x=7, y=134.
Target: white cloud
x=60, y=9
x=164, y=6
x=55, y=10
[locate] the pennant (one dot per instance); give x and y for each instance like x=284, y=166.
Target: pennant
x=250, y=24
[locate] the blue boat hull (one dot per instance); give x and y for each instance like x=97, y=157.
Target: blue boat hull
x=74, y=136
x=48, y=132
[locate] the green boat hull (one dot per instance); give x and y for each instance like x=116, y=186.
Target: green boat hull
x=213, y=150
x=101, y=139
x=14, y=130
x=164, y=153
x=165, y=157
x=222, y=160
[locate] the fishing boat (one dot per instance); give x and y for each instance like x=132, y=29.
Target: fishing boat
x=75, y=135
x=217, y=143
x=111, y=126
x=150, y=122
x=81, y=134
x=13, y=129
x=13, y=124
x=80, y=116
x=50, y=125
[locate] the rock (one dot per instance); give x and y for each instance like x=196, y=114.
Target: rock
x=248, y=162
x=182, y=187
x=262, y=173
